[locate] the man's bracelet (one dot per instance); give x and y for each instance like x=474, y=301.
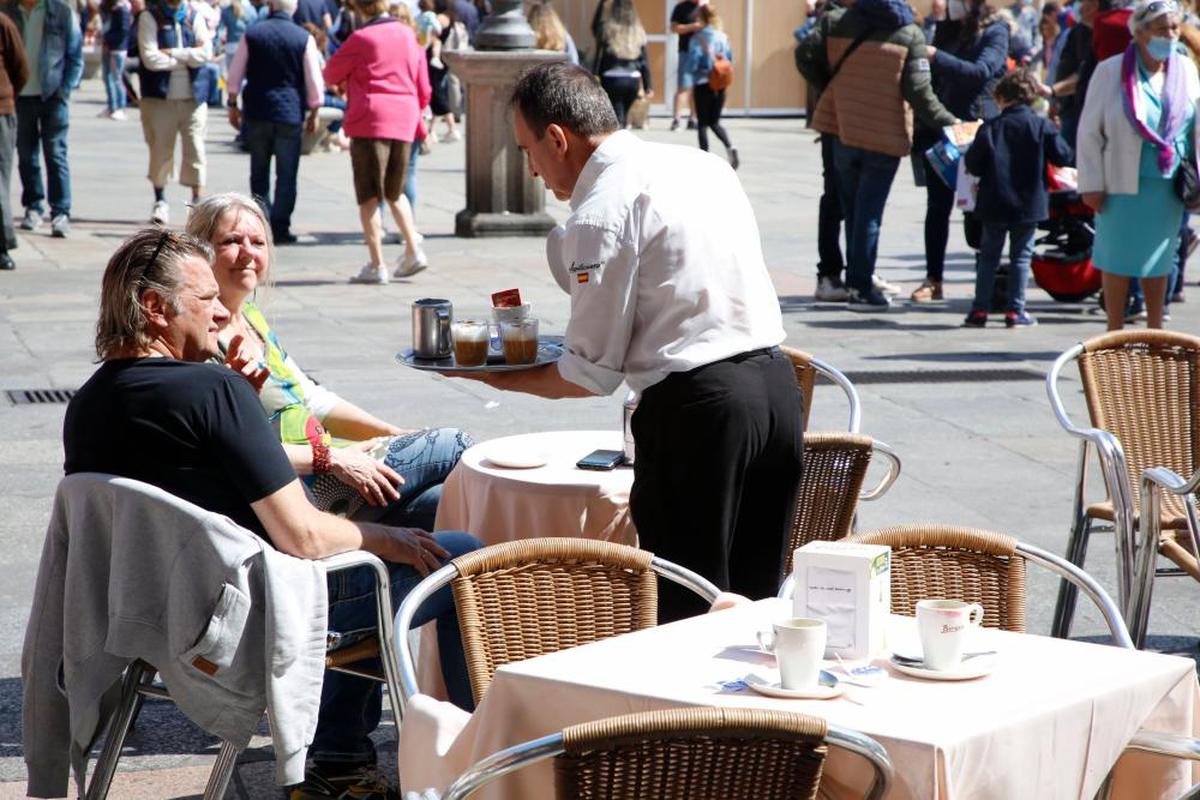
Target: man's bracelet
x=320, y=462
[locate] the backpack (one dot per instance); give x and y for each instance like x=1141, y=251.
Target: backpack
x=721, y=76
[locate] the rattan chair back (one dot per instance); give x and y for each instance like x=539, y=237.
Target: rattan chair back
x=693, y=754
x=1144, y=388
x=953, y=563
x=806, y=376
x=527, y=598
x=835, y=466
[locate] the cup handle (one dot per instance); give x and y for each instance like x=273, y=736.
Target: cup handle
x=975, y=614
x=766, y=640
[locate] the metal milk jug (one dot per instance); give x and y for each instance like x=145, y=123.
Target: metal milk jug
x=431, y=320
x=631, y=404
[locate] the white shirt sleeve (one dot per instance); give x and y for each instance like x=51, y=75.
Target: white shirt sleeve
x=601, y=271
x=201, y=54
x=151, y=57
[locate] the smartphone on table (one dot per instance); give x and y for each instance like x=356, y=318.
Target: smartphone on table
x=601, y=460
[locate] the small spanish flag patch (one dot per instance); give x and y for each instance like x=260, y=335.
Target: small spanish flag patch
x=581, y=277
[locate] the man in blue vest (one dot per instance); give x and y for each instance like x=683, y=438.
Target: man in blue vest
x=54, y=47
x=282, y=69
x=174, y=69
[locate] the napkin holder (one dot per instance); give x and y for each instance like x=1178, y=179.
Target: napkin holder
x=848, y=586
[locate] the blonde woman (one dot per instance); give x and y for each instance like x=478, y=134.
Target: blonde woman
x=549, y=32
x=621, y=57
x=707, y=44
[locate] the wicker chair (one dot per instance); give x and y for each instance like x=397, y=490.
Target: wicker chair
x=975, y=566
x=1142, y=390
x=530, y=597
x=808, y=367
x=835, y=467
x=686, y=754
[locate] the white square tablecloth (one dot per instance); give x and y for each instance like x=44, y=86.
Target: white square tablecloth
x=1048, y=722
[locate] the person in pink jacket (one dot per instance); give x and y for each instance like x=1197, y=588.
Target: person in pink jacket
x=387, y=85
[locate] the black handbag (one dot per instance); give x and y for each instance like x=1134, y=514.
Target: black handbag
x=1187, y=184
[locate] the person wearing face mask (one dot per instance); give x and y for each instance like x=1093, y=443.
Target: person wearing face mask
x=968, y=56
x=1137, y=129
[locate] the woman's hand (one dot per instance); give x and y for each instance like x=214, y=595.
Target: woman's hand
x=375, y=481
x=243, y=362
x=1094, y=201
x=412, y=546
x=930, y=52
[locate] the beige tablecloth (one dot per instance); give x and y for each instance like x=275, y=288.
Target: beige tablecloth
x=500, y=505
x=1049, y=722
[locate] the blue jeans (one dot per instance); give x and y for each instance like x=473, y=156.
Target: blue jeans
x=267, y=140
x=45, y=123
x=113, y=65
x=351, y=707
x=423, y=459
x=939, y=202
x=865, y=179
x=991, y=248
x=829, y=216
x=410, y=177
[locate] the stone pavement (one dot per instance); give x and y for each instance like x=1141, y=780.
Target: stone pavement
x=983, y=450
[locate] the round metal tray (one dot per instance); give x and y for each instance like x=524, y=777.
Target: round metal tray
x=550, y=349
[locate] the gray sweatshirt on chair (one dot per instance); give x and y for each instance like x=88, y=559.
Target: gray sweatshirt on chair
x=129, y=571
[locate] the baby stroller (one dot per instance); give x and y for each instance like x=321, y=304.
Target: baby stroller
x=1062, y=258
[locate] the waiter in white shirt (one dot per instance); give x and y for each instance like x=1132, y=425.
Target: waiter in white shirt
x=669, y=293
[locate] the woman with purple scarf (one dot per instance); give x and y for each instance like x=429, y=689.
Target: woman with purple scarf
x=1137, y=129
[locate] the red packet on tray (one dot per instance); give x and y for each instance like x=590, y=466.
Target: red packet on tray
x=509, y=298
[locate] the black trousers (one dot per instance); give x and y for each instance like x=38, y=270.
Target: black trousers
x=715, y=474
x=709, y=105
x=622, y=92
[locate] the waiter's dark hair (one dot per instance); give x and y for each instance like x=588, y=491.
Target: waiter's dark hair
x=565, y=95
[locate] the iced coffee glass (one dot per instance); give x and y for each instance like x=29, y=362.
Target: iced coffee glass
x=520, y=340
x=470, y=342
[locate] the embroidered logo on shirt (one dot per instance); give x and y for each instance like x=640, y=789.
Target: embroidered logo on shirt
x=583, y=272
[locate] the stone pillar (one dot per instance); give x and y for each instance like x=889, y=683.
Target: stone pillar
x=502, y=199
x=505, y=28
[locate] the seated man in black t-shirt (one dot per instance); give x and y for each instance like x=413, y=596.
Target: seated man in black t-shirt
x=153, y=413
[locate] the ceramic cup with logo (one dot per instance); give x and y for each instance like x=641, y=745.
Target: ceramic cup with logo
x=944, y=627
x=799, y=645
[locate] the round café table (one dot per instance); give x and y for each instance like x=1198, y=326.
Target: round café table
x=500, y=504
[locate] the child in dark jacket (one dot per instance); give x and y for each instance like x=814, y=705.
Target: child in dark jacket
x=1009, y=157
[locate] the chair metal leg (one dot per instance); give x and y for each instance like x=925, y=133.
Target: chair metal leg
x=118, y=729
x=222, y=771
x=1064, y=608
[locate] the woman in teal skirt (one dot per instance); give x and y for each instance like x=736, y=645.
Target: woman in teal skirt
x=1137, y=130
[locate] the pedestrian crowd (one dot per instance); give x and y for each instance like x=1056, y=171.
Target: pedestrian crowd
x=991, y=105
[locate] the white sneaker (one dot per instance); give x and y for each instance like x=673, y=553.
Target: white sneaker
x=885, y=287
x=60, y=226
x=831, y=290
x=452, y=136
x=161, y=213
x=32, y=221
x=411, y=265
x=371, y=273
x=118, y=115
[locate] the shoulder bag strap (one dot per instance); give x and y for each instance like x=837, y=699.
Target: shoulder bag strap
x=862, y=37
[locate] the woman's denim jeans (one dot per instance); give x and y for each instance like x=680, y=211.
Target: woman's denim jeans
x=423, y=459
x=351, y=707
x=113, y=65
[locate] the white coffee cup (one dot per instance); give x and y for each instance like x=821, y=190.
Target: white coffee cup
x=944, y=627
x=799, y=645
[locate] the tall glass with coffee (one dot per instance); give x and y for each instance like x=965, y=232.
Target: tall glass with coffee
x=470, y=342
x=520, y=340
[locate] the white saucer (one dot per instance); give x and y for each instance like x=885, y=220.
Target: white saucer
x=517, y=459
x=821, y=691
x=967, y=670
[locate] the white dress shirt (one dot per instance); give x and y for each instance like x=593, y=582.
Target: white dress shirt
x=662, y=259
x=177, y=60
